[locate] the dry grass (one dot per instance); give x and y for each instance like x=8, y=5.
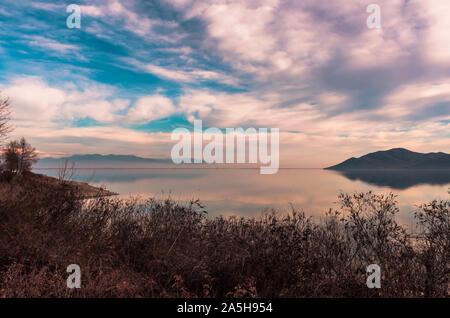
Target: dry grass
x=134, y=248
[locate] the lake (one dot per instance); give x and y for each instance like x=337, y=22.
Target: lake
x=245, y=192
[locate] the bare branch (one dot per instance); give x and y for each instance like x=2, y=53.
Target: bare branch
x=66, y=171
x=5, y=117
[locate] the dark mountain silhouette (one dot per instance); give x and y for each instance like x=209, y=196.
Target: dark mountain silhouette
x=397, y=158
x=96, y=160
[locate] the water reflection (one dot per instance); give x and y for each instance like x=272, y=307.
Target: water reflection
x=245, y=192
x=399, y=179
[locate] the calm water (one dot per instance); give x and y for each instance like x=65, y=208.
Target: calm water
x=245, y=192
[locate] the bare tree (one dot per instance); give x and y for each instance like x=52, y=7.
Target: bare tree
x=19, y=156
x=66, y=171
x=5, y=113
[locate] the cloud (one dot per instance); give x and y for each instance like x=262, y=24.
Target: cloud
x=114, y=9
x=307, y=131
x=63, y=141
x=241, y=30
x=46, y=43
x=311, y=68
x=47, y=116
x=92, y=10
x=150, y=108
x=68, y=103
x=183, y=75
x=415, y=98
x=40, y=103
x=435, y=32
x=47, y=6
x=262, y=110
x=45, y=103
x=274, y=44
x=166, y=73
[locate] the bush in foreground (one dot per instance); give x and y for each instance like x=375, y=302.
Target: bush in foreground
x=136, y=248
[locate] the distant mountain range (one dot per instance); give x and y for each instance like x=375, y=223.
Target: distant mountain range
x=105, y=161
x=397, y=158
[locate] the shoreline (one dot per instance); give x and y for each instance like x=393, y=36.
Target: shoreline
x=39, y=180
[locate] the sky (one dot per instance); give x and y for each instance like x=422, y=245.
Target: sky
x=137, y=69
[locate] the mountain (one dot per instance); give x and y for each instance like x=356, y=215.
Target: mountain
x=397, y=158
x=103, y=161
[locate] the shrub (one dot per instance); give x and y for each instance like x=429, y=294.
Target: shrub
x=150, y=248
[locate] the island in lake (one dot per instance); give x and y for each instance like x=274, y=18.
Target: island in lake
x=397, y=168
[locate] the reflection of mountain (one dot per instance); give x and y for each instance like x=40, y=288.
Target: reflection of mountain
x=399, y=179
x=397, y=158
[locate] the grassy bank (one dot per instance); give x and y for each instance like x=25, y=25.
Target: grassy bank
x=133, y=248
x=10, y=186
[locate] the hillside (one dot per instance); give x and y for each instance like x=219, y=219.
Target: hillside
x=39, y=181
x=397, y=158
